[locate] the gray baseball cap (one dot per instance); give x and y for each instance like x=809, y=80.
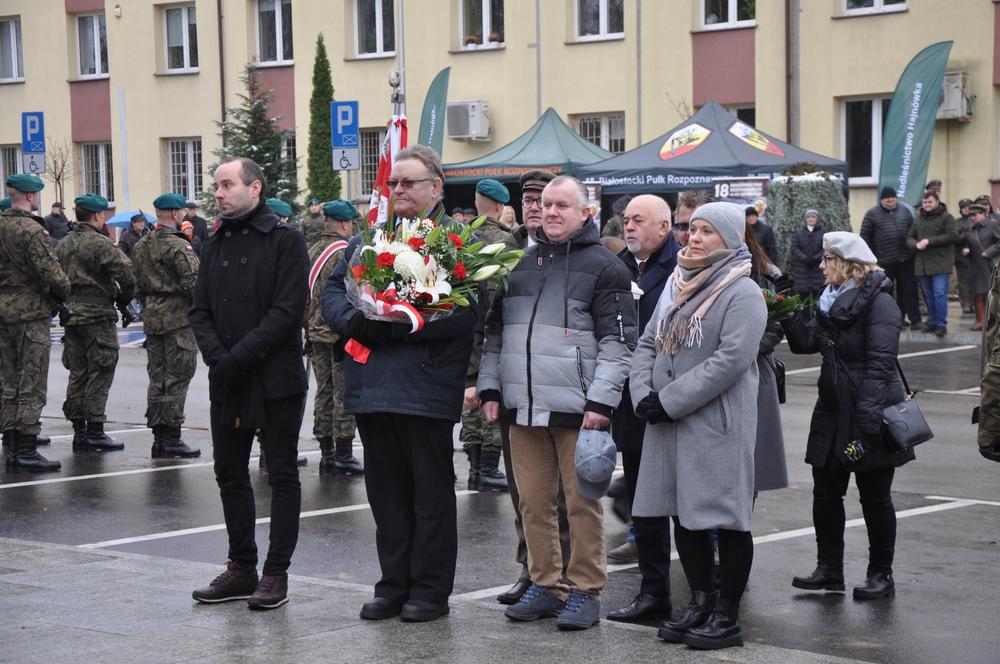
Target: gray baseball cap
x=596, y=458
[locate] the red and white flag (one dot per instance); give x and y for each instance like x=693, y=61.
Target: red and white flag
x=395, y=140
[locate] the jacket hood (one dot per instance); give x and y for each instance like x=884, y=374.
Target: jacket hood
x=586, y=235
x=854, y=303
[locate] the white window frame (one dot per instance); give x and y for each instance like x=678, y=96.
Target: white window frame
x=732, y=23
x=18, y=161
x=878, y=7
x=379, y=52
x=602, y=33
x=194, y=179
x=13, y=24
x=876, y=130
x=605, y=128
x=279, y=45
x=186, y=68
x=95, y=42
x=487, y=27
x=366, y=132
x=105, y=176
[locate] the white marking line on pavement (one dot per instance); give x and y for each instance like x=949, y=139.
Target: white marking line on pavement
x=221, y=526
x=953, y=503
x=974, y=501
x=902, y=357
x=967, y=392
x=69, y=436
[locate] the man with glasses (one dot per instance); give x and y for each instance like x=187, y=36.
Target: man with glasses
x=532, y=184
x=687, y=203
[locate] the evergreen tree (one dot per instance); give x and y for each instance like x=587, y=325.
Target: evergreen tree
x=322, y=181
x=250, y=131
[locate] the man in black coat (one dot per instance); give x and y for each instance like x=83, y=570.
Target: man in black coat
x=249, y=303
x=200, y=225
x=884, y=229
x=56, y=223
x=650, y=256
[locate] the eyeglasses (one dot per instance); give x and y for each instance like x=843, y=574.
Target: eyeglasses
x=682, y=227
x=405, y=184
x=827, y=258
x=530, y=202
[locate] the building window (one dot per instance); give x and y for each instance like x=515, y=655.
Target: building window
x=375, y=27
x=482, y=23
x=873, y=6
x=746, y=114
x=184, y=167
x=289, y=151
x=716, y=14
x=862, y=123
x=11, y=55
x=600, y=19
x=182, y=38
x=606, y=131
x=92, y=39
x=10, y=161
x=371, y=145
x=97, y=169
x=274, y=31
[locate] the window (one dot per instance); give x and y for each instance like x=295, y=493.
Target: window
x=600, y=19
x=11, y=56
x=375, y=27
x=606, y=131
x=97, y=169
x=289, y=151
x=184, y=167
x=10, y=161
x=274, y=31
x=873, y=6
x=862, y=122
x=746, y=114
x=92, y=39
x=717, y=14
x=182, y=38
x=482, y=23
x=371, y=145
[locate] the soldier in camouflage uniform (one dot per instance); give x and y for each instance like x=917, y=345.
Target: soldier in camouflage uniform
x=480, y=439
x=332, y=425
x=101, y=278
x=166, y=268
x=989, y=410
x=313, y=226
x=31, y=284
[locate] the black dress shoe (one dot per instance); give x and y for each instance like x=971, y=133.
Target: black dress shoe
x=418, y=610
x=643, y=607
x=823, y=578
x=514, y=593
x=696, y=613
x=380, y=608
x=876, y=586
x=720, y=631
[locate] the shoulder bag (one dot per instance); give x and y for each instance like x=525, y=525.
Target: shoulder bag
x=904, y=422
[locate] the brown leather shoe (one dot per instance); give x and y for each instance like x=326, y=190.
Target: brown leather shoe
x=271, y=592
x=513, y=594
x=235, y=583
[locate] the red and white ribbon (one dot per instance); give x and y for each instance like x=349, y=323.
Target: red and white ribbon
x=386, y=304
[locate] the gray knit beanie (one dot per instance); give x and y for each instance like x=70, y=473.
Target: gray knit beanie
x=810, y=213
x=727, y=219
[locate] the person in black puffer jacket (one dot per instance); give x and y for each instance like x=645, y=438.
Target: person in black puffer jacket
x=807, y=251
x=856, y=329
x=884, y=230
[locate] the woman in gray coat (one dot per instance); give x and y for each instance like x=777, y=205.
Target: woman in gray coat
x=694, y=381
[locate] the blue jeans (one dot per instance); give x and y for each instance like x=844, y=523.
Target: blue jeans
x=936, y=293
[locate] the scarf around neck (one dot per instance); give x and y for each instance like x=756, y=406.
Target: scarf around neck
x=831, y=293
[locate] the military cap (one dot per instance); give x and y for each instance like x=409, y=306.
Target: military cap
x=29, y=184
x=279, y=207
x=340, y=211
x=457, y=210
x=91, y=203
x=169, y=202
x=4, y=204
x=965, y=202
x=536, y=180
x=314, y=201
x=191, y=205
x=493, y=190
x=984, y=197
x=849, y=246
x=471, y=212
x=976, y=207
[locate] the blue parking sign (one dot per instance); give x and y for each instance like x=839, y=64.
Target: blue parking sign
x=33, y=133
x=344, y=124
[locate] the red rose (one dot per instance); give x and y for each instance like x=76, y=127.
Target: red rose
x=386, y=259
x=359, y=271
x=415, y=243
x=460, y=271
x=455, y=240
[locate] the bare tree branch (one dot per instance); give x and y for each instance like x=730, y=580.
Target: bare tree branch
x=59, y=164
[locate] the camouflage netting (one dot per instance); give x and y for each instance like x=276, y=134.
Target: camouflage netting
x=789, y=196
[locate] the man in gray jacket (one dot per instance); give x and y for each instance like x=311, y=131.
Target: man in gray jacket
x=558, y=349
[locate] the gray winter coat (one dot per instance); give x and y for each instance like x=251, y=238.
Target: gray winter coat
x=700, y=467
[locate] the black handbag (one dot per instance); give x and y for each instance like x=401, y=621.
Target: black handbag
x=904, y=422
x=779, y=379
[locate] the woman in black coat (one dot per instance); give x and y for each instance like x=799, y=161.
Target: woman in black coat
x=807, y=250
x=856, y=329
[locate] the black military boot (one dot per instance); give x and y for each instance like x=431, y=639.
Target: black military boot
x=824, y=577
x=491, y=478
x=9, y=439
x=42, y=441
x=720, y=631
x=171, y=446
x=79, y=434
x=343, y=458
x=696, y=613
x=96, y=439
x=326, y=464
x=26, y=457
x=475, y=455
x=157, y=450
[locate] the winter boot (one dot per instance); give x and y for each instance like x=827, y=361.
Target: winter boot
x=96, y=439
x=824, y=577
x=26, y=457
x=42, y=441
x=9, y=440
x=491, y=478
x=696, y=613
x=721, y=631
x=171, y=446
x=475, y=455
x=326, y=459
x=343, y=459
x=79, y=434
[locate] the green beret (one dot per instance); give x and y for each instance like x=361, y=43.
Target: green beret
x=313, y=201
x=340, y=210
x=493, y=190
x=91, y=203
x=279, y=207
x=4, y=204
x=169, y=202
x=29, y=184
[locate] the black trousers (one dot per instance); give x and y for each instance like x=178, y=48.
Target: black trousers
x=694, y=547
x=279, y=440
x=652, y=537
x=905, y=282
x=875, y=487
x=410, y=479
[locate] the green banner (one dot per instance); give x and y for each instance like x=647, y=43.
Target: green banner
x=909, y=127
x=433, y=116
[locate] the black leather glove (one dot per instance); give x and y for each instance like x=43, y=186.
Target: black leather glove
x=651, y=410
x=992, y=452
x=226, y=371
x=374, y=333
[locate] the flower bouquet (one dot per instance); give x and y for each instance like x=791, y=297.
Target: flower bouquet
x=782, y=307
x=422, y=270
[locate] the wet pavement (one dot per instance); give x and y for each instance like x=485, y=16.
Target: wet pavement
x=97, y=562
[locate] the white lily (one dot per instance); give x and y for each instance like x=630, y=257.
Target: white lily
x=432, y=281
x=409, y=264
x=492, y=249
x=485, y=272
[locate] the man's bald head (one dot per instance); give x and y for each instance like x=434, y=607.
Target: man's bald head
x=646, y=222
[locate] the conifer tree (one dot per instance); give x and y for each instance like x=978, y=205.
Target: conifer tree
x=322, y=180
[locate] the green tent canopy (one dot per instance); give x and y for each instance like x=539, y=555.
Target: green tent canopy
x=549, y=144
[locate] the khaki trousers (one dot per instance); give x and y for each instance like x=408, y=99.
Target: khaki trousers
x=540, y=455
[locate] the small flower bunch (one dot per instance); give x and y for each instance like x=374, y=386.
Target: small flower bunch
x=782, y=307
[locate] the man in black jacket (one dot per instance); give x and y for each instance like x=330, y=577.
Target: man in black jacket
x=884, y=229
x=249, y=302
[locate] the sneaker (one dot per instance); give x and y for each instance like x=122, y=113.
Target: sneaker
x=582, y=611
x=271, y=592
x=235, y=583
x=535, y=603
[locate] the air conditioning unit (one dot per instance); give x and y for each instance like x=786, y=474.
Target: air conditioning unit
x=469, y=121
x=956, y=97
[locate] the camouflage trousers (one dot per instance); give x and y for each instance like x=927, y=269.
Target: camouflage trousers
x=170, y=363
x=24, y=374
x=329, y=416
x=477, y=431
x=90, y=353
